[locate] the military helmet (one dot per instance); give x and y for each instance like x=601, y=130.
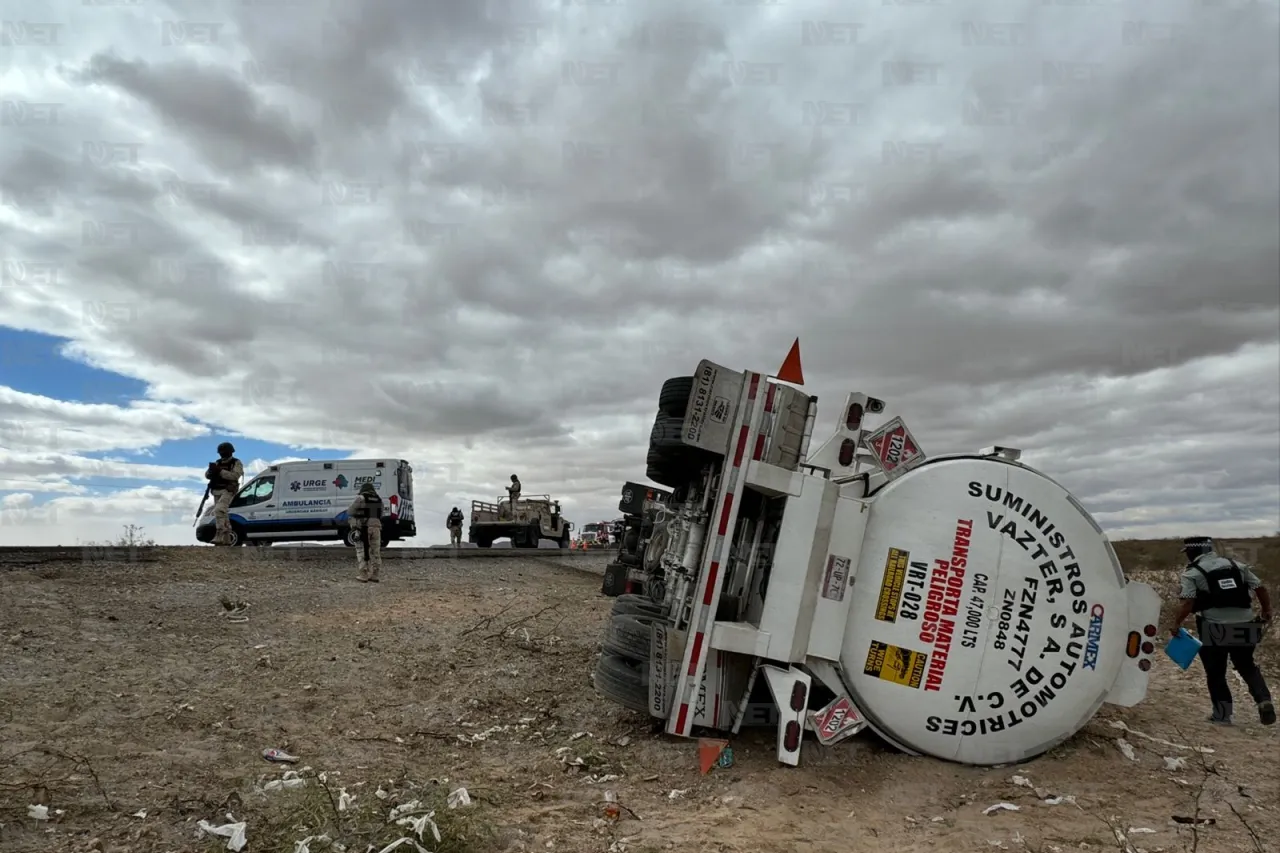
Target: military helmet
x=514, y=478
x=226, y=449
x=368, y=489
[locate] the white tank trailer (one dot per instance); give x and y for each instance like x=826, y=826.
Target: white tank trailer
x=965, y=607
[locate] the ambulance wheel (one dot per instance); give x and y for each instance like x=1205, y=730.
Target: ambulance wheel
x=673, y=399
x=628, y=635
x=636, y=605
x=237, y=535
x=623, y=681
x=348, y=537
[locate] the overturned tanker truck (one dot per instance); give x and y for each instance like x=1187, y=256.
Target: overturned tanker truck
x=965, y=607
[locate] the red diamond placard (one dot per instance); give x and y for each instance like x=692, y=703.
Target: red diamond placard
x=895, y=448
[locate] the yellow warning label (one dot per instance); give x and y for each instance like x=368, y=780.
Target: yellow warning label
x=894, y=664
x=895, y=574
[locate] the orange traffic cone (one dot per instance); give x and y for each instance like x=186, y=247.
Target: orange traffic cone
x=709, y=752
x=790, y=370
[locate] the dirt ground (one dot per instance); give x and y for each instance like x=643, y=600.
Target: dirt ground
x=133, y=707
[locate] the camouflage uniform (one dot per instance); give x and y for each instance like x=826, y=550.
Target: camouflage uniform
x=454, y=523
x=365, y=517
x=513, y=491
x=224, y=481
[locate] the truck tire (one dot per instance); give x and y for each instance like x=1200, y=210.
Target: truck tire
x=636, y=605
x=631, y=541
x=623, y=681
x=673, y=399
x=629, y=559
x=629, y=635
x=666, y=433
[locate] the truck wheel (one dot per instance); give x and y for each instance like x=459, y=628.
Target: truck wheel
x=631, y=541
x=564, y=539
x=629, y=559
x=622, y=681
x=636, y=605
x=666, y=433
x=673, y=399
x=629, y=635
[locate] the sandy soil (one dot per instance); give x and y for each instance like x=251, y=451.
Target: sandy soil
x=124, y=688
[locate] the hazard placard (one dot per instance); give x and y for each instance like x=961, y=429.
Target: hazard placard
x=895, y=448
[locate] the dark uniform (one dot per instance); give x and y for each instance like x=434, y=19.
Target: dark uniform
x=1219, y=591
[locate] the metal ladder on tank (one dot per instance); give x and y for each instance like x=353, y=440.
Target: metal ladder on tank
x=755, y=398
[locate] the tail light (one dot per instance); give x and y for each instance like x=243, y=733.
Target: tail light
x=853, y=418
x=1135, y=640
x=1148, y=648
x=1144, y=664
x=395, y=506
x=1150, y=630
x=791, y=737
x=847, y=448
x=799, y=696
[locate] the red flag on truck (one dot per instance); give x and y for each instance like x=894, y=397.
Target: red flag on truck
x=790, y=370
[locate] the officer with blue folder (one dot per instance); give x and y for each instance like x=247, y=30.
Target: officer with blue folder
x=1219, y=591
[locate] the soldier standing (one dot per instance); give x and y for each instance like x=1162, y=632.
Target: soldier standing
x=365, y=517
x=513, y=492
x=1217, y=589
x=454, y=523
x=224, y=481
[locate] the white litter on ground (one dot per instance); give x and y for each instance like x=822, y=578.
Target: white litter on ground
x=1127, y=748
x=1002, y=807
x=1119, y=724
x=234, y=833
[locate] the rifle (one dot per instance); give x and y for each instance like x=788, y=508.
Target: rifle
x=364, y=542
x=200, y=509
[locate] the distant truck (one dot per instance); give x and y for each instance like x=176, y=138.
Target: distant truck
x=307, y=501
x=965, y=607
x=536, y=517
x=595, y=534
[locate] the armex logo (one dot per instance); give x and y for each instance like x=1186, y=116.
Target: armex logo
x=1095, y=637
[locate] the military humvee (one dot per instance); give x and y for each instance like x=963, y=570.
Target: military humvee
x=536, y=517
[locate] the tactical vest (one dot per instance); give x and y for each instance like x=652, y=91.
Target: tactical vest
x=1227, y=588
x=372, y=508
x=220, y=483
x=455, y=519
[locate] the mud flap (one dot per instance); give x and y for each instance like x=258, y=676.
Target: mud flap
x=615, y=580
x=1130, y=686
x=790, y=689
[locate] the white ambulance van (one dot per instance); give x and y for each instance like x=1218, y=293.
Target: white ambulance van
x=307, y=501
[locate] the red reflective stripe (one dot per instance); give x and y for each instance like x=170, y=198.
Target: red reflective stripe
x=724, y=515
x=742, y=446
x=755, y=386
x=697, y=652
x=768, y=399
x=711, y=582
x=759, y=447
x=684, y=712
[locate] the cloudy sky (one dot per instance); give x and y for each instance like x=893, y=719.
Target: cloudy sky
x=479, y=235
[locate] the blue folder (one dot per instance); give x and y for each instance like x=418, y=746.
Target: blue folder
x=1182, y=649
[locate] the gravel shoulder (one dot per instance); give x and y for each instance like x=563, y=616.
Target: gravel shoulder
x=125, y=688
